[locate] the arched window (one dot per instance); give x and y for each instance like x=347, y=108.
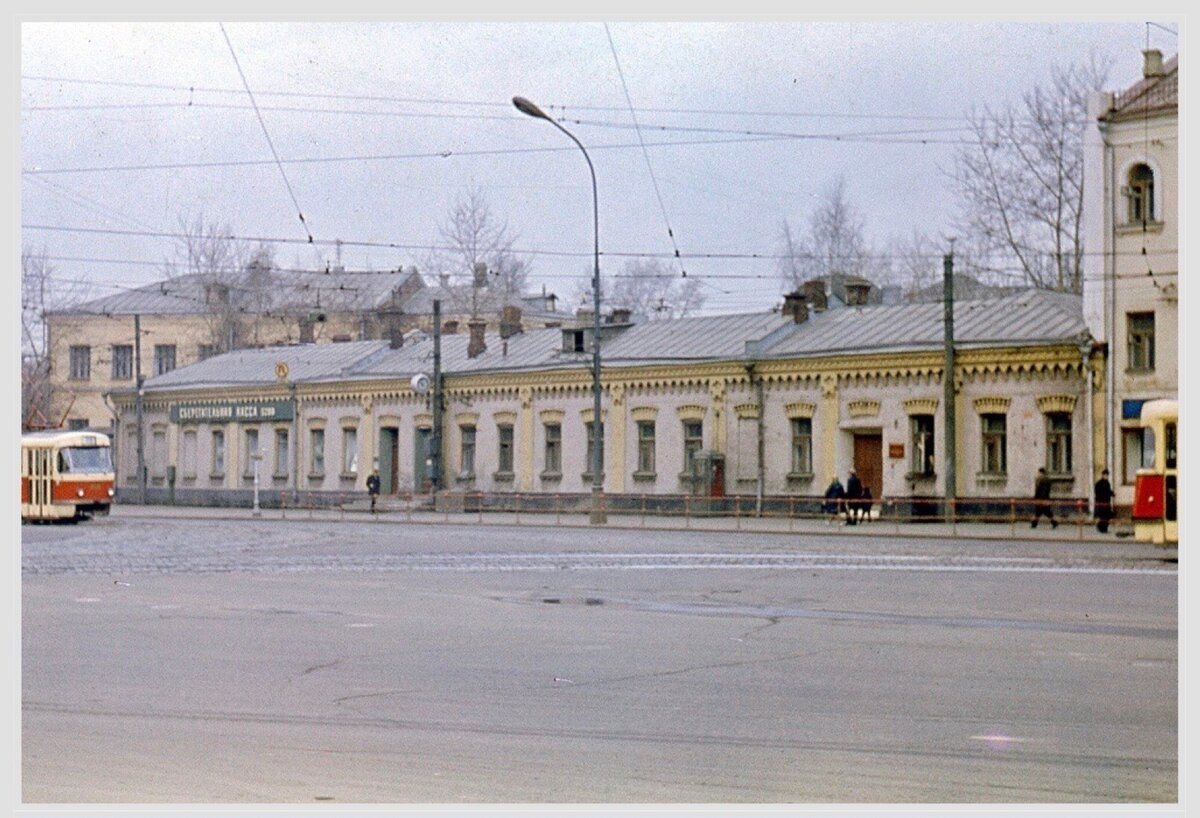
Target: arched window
x=1141, y=194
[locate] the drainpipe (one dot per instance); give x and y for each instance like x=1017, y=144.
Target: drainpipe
x=1110, y=290
x=760, y=481
x=295, y=443
x=1086, y=350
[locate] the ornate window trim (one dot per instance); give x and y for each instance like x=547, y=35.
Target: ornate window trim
x=992, y=406
x=746, y=411
x=691, y=411
x=921, y=406
x=863, y=408
x=644, y=413
x=1056, y=403
x=800, y=409
x=550, y=416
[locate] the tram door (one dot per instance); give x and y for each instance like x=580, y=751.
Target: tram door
x=389, y=459
x=868, y=461
x=421, y=460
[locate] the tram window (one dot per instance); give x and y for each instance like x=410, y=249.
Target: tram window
x=64, y=464
x=88, y=459
x=1147, y=448
x=1169, y=442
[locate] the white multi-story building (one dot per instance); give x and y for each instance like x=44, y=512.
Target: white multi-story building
x=1131, y=223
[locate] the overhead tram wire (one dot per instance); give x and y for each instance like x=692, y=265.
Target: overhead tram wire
x=266, y=133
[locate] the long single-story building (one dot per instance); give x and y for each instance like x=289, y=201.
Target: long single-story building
x=773, y=405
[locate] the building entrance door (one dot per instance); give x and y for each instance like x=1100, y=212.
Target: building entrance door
x=868, y=461
x=389, y=457
x=421, y=462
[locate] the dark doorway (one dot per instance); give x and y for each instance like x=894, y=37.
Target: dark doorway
x=389, y=460
x=868, y=461
x=421, y=461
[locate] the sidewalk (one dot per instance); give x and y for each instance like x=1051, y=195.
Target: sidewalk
x=1067, y=530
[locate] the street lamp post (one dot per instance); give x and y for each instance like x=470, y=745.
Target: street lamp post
x=598, y=515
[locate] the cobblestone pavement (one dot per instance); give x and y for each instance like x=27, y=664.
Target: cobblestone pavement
x=147, y=543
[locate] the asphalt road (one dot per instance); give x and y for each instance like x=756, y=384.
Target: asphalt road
x=269, y=661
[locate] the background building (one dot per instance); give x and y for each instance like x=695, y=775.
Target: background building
x=1131, y=182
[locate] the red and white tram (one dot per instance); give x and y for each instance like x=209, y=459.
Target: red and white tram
x=65, y=475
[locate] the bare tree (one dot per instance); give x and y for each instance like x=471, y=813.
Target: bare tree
x=214, y=252
x=834, y=241
x=648, y=287
x=41, y=292
x=1020, y=181
x=476, y=240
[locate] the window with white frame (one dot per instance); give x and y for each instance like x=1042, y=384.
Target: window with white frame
x=218, y=453
x=1058, y=443
x=187, y=454
x=646, y=446
x=164, y=358
x=693, y=442
x=1140, y=335
x=281, y=452
x=316, y=452
x=504, y=454
x=350, y=450
x=921, y=432
x=250, y=449
x=1140, y=194
x=553, y=458
x=122, y=362
x=801, y=446
x=81, y=363
x=994, y=429
x=466, y=452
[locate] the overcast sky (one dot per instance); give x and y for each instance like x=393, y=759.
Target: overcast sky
x=380, y=126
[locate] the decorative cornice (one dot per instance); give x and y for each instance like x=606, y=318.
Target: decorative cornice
x=690, y=411
x=920, y=406
x=993, y=405
x=644, y=413
x=423, y=419
x=587, y=414
x=504, y=418
x=800, y=409
x=550, y=416
x=1056, y=403
x=862, y=408
x=746, y=411
x=466, y=419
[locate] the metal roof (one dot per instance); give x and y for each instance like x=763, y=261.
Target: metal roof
x=1030, y=316
x=1025, y=318
x=253, y=291
x=306, y=362
x=1149, y=94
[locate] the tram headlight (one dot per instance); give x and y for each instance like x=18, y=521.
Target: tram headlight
x=110, y=492
x=79, y=492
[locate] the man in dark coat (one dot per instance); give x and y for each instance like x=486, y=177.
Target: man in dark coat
x=373, y=488
x=1041, y=500
x=833, y=498
x=853, y=496
x=1104, y=506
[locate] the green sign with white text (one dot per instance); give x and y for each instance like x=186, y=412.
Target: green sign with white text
x=233, y=411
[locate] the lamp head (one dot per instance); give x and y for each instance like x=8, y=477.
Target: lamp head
x=528, y=108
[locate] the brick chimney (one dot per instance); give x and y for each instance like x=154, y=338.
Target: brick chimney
x=814, y=294
x=476, y=346
x=620, y=315
x=1153, y=63
x=449, y=328
x=794, y=307
x=510, y=322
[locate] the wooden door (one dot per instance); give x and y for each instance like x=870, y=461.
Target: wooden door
x=868, y=461
x=389, y=457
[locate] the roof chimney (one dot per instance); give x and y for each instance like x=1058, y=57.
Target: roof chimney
x=620, y=315
x=814, y=294
x=476, y=346
x=510, y=322
x=1153, y=66
x=794, y=306
x=450, y=327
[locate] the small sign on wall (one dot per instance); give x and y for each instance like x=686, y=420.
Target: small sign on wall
x=896, y=450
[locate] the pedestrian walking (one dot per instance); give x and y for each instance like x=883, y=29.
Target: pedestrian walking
x=834, y=496
x=865, y=503
x=1041, y=500
x=373, y=487
x=1104, y=504
x=853, y=497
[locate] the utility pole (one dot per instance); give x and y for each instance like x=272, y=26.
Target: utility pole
x=137, y=402
x=948, y=382
x=435, y=437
